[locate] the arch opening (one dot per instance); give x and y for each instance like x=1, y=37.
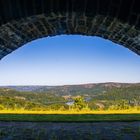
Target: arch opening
x=77, y=58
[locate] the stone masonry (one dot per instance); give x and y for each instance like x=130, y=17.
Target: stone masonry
x=33, y=19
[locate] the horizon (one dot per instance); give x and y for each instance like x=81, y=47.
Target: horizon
x=73, y=84
x=69, y=60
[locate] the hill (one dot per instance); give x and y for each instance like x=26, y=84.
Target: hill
x=97, y=96
x=73, y=89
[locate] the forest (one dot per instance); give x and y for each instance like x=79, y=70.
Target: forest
x=77, y=98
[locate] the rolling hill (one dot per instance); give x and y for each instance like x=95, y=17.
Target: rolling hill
x=101, y=95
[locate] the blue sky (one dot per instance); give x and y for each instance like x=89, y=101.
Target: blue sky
x=69, y=59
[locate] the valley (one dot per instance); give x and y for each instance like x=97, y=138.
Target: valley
x=90, y=97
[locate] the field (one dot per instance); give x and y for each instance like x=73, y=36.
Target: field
x=63, y=116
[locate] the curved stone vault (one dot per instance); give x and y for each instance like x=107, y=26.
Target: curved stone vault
x=22, y=21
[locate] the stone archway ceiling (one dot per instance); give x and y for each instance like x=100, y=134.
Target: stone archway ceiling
x=22, y=21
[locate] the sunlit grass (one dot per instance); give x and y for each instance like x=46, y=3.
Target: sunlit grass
x=70, y=115
x=128, y=111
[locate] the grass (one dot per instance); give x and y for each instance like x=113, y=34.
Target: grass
x=69, y=116
x=21, y=111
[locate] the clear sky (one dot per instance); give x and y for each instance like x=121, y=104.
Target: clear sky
x=69, y=59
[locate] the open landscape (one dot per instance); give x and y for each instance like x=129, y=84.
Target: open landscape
x=70, y=112
x=87, y=102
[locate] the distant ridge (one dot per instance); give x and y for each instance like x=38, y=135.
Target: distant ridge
x=70, y=88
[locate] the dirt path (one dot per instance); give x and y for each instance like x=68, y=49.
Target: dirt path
x=69, y=131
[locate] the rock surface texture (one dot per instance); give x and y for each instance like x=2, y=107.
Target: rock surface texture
x=22, y=21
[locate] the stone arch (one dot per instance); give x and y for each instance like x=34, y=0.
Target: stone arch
x=110, y=19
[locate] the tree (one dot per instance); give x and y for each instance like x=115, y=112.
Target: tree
x=80, y=103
